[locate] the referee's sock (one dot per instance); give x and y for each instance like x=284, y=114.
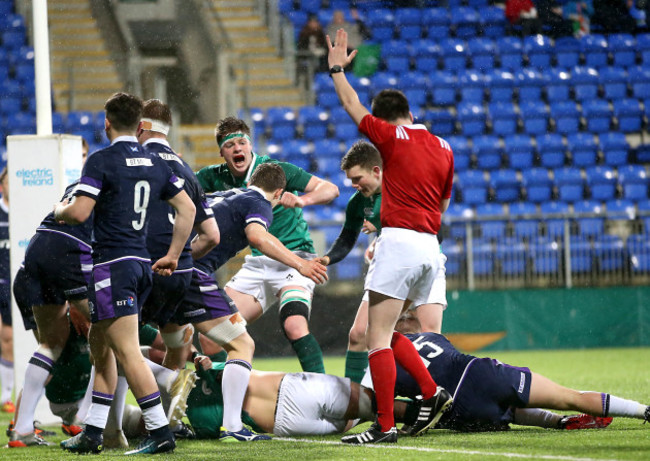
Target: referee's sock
x=309, y=354
x=355, y=365
x=409, y=359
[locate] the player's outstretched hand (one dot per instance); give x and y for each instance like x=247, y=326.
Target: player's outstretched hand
x=289, y=200
x=368, y=227
x=314, y=270
x=165, y=265
x=338, y=54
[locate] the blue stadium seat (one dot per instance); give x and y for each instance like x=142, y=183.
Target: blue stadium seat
x=10, y=106
x=14, y=22
x=6, y=7
x=482, y=53
x=644, y=214
x=10, y=88
x=595, y=50
x=642, y=153
x=501, y=86
x=539, y=50
x=426, y=54
x=459, y=145
x=530, y=83
x=570, y=184
x=581, y=255
x=409, y=23
x=639, y=81
x=396, y=55
x=638, y=247
x=438, y=21
x=79, y=121
x=538, y=184
x=381, y=22
x=483, y=258
x=487, y=151
x=567, y=52
x=327, y=147
x=314, y=121
x=620, y=209
x=632, y=174
x=295, y=148
x=504, y=118
x=455, y=259
x=20, y=123
x=602, y=182
x=551, y=150
x=310, y=6
x=623, y=50
x=298, y=18
x=583, y=149
x=443, y=88
x=524, y=225
x=456, y=211
x=442, y=122
x=471, y=84
x=614, y=83
x=473, y=187
x=558, y=85
x=591, y=226
x=472, y=118
x=566, y=116
x=511, y=255
x=629, y=115
x=13, y=39
x=382, y=81
x=491, y=228
x=610, y=253
x=346, y=132
x=545, y=256
x=58, y=122
x=615, y=148
x=256, y=114
x=554, y=220
x=327, y=98
x=519, y=150
x=510, y=52
x=506, y=185
x=414, y=85
x=597, y=114
x=454, y=54
x=465, y=21
x=281, y=123
x=493, y=22
x=585, y=83
x=534, y=116
x=643, y=48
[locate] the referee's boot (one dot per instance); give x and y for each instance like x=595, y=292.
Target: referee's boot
x=431, y=410
x=373, y=434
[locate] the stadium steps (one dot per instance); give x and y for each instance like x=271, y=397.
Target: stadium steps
x=76, y=42
x=258, y=66
x=198, y=143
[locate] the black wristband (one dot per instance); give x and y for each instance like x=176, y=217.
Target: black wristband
x=336, y=69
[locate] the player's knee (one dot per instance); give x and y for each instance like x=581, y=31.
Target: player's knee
x=243, y=344
x=357, y=335
x=294, y=317
x=52, y=353
x=179, y=338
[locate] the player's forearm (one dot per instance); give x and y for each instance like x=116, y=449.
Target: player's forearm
x=347, y=95
x=183, y=223
x=342, y=246
x=323, y=193
x=270, y=246
x=207, y=238
x=70, y=214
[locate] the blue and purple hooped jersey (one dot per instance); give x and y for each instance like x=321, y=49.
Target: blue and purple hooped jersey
x=125, y=181
x=82, y=233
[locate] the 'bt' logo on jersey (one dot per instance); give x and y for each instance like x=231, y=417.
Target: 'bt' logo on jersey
x=126, y=302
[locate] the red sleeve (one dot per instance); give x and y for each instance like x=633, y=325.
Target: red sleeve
x=446, y=193
x=381, y=133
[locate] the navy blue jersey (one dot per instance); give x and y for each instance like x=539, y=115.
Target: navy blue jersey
x=234, y=210
x=445, y=364
x=4, y=243
x=161, y=226
x=124, y=181
x=82, y=232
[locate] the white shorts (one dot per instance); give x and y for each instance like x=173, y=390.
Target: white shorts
x=438, y=294
x=311, y=404
x=263, y=278
x=405, y=265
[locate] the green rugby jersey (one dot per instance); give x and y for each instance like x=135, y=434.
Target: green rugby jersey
x=71, y=372
x=360, y=208
x=205, y=404
x=289, y=225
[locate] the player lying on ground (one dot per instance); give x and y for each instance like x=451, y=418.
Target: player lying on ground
x=489, y=395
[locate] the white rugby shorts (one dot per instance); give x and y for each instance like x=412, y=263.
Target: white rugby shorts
x=311, y=404
x=263, y=278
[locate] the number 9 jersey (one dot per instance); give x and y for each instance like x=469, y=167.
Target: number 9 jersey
x=123, y=180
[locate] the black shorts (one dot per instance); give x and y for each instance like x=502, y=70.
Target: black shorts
x=5, y=304
x=165, y=297
x=486, y=396
x=57, y=269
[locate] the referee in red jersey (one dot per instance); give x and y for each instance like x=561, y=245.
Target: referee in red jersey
x=418, y=175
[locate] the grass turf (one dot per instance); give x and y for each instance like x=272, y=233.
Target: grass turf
x=622, y=372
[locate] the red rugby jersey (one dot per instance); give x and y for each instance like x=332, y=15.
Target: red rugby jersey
x=418, y=173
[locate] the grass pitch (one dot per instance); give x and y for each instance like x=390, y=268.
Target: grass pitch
x=623, y=372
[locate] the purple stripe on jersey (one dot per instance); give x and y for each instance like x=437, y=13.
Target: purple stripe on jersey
x=175, y=181
x=148, y=397
x=258, y=216
x=91, y=182
x=101, y=394
x=104, y=297
x=86, y=259
x=44, y=358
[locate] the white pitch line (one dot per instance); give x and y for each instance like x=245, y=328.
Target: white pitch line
x=385, y=446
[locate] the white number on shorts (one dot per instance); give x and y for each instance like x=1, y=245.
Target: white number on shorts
x=140, y=203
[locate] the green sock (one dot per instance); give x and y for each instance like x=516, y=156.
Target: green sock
x=219, y=356
x=355, y=365
x=309, y=354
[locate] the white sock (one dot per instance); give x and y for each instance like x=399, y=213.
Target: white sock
x=36, y=373
x=164, y=376
x=622, y=407
x=99, y=408
x=537, y=417
x=152, y=411
x=234, y=383
x=7, y=379
x=116, y=413
x=82, y=412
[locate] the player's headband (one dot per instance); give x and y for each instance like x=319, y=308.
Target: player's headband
x=234, y=135
x=154, y=125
